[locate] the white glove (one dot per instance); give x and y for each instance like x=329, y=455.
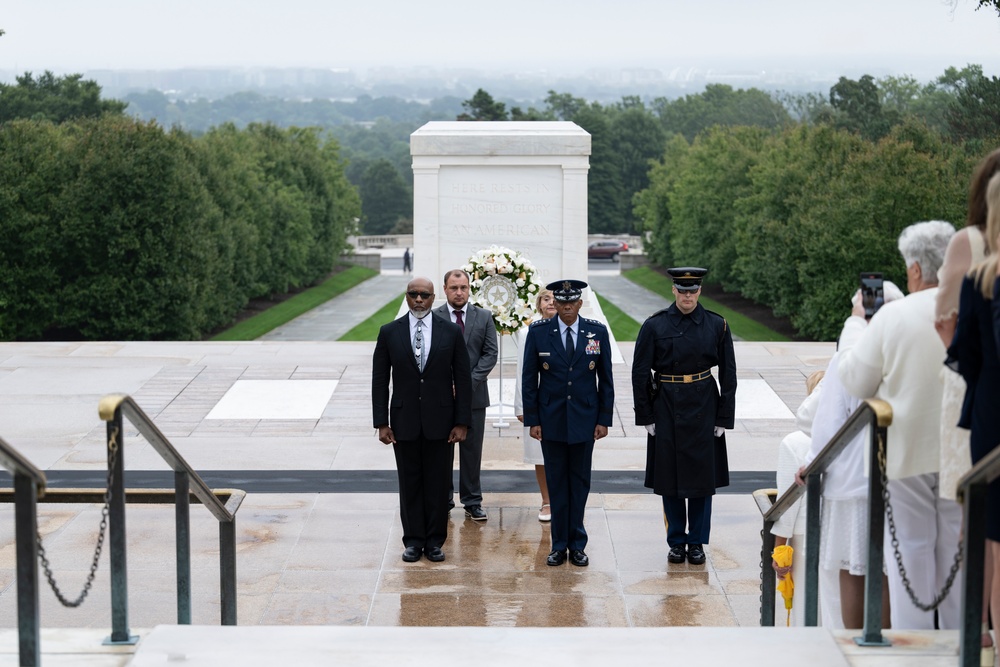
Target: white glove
x=651, y=429
x=719, y=430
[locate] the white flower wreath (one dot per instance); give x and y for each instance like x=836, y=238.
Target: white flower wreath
x=503, y=282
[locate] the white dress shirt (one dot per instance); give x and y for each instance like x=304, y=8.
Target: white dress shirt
x=426, y=332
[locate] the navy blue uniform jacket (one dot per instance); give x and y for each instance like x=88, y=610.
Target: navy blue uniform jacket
x=567, y=397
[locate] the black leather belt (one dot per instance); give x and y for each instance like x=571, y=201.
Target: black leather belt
x=685, y=379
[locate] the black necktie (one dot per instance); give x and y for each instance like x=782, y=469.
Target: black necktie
x=569, y=342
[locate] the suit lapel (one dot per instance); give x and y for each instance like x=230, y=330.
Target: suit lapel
x=470, y=318
x=436, y=333
x=559, y=340
x=581, y=342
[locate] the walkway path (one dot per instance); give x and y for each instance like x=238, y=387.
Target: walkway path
x=339, y=315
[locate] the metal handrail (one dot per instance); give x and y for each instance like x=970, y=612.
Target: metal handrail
x=112, y=409
x=873, y=413
x=16, y=464
x=971, y=493
x=29, y=485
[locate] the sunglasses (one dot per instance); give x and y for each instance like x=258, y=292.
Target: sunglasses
x=419, y=295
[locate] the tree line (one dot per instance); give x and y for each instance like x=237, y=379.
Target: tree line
x=114, y=228
x=816, y=185
x=789, y=216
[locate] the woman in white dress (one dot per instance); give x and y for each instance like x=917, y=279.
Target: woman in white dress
x=790, y=529
x=545, y=304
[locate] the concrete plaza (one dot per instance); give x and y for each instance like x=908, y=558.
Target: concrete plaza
x=327, y=551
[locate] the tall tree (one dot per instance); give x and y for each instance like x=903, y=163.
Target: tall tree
x=482, y=106
x=637, y=139
x=53, y=98
x=385, y=198
x=860, y=107
x=719, y=104
x=975, y=110
x=995, y=4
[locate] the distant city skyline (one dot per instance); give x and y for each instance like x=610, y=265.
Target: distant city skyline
x=919, y=37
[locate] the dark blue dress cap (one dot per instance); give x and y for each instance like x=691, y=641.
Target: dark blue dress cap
x=566, y=290
x=687, y=278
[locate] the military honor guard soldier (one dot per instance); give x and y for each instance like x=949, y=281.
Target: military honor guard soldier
x=684, y=411
x=568, y=398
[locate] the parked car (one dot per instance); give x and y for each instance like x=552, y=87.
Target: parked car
x=606, y=250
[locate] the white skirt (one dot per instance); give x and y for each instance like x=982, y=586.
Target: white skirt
x=532, y=449
x=844, y=541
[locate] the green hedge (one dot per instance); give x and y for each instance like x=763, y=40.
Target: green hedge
x=790, y=218
x=112, y=228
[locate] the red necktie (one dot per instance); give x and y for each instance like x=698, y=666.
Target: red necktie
x=458, y=320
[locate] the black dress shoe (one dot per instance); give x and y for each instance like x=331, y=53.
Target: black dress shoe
x=556, y=558
x=696, y=554
x=434, y=554
x=579, y=558
x=476, y=513
x=411, y=554
x=677, y=554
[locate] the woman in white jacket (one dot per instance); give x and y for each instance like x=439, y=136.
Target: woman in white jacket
x=896, y=357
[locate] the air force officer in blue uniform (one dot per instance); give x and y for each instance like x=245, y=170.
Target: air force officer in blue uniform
x=568, y=396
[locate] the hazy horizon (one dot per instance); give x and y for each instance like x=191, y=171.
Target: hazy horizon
x=918, y=37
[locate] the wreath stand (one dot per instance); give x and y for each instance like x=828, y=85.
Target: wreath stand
x=500, y=421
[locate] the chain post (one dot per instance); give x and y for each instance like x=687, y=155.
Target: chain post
x=116, y=533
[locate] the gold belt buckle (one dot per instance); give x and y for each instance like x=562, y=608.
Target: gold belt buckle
x=688, y=379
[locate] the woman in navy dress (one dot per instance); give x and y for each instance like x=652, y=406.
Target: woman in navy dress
x=974, y=354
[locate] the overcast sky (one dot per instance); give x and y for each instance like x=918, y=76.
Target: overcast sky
x=560, y=35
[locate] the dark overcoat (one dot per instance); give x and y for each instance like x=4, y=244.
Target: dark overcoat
x=685, y=459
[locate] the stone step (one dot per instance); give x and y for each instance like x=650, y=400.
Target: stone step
x=197, y=646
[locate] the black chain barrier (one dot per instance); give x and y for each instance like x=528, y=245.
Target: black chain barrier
x=959, y=555
x=46, y=567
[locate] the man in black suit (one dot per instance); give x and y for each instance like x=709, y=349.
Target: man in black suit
x=569, y=398
x=429, y=412
x=481, y=341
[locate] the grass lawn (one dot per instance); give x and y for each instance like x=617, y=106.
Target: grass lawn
x=622, y=326
x=742, y=327
x=368, y=330
x=286, y=311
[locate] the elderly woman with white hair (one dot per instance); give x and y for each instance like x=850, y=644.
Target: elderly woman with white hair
x=895, y=357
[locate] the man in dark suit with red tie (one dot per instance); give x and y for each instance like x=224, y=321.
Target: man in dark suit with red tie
x=569, y=398
x=430, y=410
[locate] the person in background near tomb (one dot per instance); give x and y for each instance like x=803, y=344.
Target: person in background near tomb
x=430, y=411
x=481, y=342
x=545, y=304
x=407, y=261
x=568, y=396
x=684, y=411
